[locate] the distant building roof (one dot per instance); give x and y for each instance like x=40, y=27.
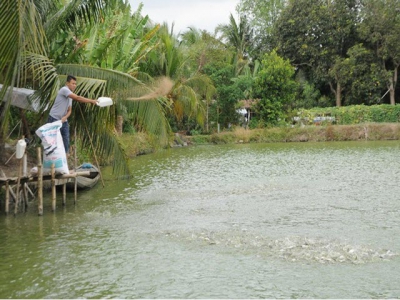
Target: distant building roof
x=248, y=103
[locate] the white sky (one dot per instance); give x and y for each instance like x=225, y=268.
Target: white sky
x=202, y=14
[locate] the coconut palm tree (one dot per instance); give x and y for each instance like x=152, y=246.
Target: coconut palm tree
x=120, y=42
x=191, y=88
x=238, y=36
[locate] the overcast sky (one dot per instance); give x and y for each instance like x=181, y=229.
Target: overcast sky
x=202, y=14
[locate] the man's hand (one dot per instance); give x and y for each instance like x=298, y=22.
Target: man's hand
x=64, y=119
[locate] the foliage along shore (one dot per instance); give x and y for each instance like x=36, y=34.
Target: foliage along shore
x=140, y=143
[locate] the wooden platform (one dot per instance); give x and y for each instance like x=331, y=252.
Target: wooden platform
x=19, y=188
x=61, y=178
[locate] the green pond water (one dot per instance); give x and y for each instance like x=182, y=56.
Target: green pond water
x=299, y=220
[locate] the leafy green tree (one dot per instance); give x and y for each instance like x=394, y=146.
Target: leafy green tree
x=208, y=55
x=247, y=79
x=202, y=48
x=308, y=95
x=365, y=79
x=316, y=35
x=227, y=93
x=261, y=16
x=275, y=87
x=380, y=27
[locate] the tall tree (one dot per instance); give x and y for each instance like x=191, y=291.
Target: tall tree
x=261, y=16
x=316, y=35
x=275, y=87
x=363, y=77
x=190, y=88
x=380, y=27
x=238, y=35
x=209, y=55
x=120, y=42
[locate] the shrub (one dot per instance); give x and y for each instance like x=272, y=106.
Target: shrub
x=353, y=114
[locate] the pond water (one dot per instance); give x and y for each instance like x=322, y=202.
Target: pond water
x=301, y=220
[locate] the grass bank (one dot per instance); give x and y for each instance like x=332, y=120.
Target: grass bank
x=367, y=131
x=141, y=143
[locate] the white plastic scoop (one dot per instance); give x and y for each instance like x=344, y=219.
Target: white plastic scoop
x=104, y=101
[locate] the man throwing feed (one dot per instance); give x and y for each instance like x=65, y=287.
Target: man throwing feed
x=62, y=108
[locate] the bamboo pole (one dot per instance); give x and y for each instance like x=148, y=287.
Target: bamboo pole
x=7, y=205
x=30, y=191
x=12, y=193
x=25, y=196
x=24, y=185
x=75, y=166
x=18, y=188
x=40, y=182
x=64, y=194
x=53, y=189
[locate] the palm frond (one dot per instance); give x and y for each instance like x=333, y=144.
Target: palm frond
x=46, y=77
x=21, y=31
x=92, y=87
x=102, y=143
x=149, y=116
x=118, y=83
x=88, y=11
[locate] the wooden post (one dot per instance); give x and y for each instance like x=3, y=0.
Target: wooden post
x=75, y=179
x=30, y=191
x=64, y=194
x=40, y=182
x=18, y=187
x=25, y=185
x=12, y=193
x=7, y=205
x=24, y=195
x=53, y=188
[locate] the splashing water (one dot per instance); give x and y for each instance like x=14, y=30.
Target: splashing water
x=293, y=248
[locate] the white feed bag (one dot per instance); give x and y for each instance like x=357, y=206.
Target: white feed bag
x=104, y=101
x=53, y=148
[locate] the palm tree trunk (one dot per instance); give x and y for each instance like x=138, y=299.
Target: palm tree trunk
x=119, y=125
x=25, y=126
x=207, y=128
x=338, y=95
x=393, y=82
x=2, y=149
